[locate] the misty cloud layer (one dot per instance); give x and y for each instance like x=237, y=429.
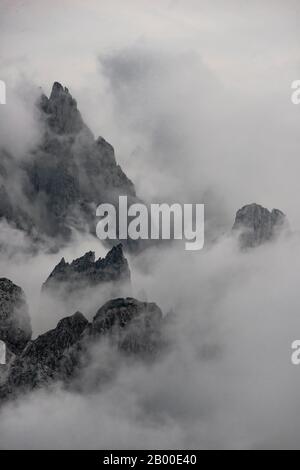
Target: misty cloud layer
x=195, y=98
x=227, y=381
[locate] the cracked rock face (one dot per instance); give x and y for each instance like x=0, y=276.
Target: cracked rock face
x=135, y=326
x=40, y=363
x=15, y=325
x=63, y=116
x=61, y=354
x=258, y=225
x=87, y=271
x=71, y=171
x=64, y=178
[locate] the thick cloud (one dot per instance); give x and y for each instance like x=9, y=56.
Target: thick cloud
x=29, y=268
x=227, y=381
x=20, y=129
x=195, y=96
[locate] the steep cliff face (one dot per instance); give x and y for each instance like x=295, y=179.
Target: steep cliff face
x=61, y=111
x=62, y=354
x=257, y=225
x=65, y=178
x=71, y=172
x=40, y=362
x=86, y=282
x=15, y=326
x=87, y=271
x=135, y=326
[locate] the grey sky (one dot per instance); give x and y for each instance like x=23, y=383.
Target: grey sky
x=194, y=95
x=195, y=98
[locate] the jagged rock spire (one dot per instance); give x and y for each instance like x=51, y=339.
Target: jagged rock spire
x=258, y=225
x=88, y=271
x=63, y=116
x=61, y=354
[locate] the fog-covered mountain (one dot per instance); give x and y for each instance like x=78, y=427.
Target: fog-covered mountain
x=58, y=185
x=73, y=281
x=257, y=225
x=65, y=353
x=127, y=325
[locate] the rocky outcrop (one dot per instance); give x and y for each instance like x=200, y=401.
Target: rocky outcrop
x=257, y=225
x=135, y=326
x=87, y=271
x=40, y=362
x=63, y=180
x=71, y=171
x=15, y=326
x=61, y=111
x=62, y=354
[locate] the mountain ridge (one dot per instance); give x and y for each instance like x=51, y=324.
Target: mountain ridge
x=64, y=178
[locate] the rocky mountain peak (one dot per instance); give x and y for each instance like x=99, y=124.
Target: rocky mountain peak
x=123, y=310
x=115, y=257
x=63, y=116
x=52, y=344
x=65, y=177
x=57, y=90
x=84, y=262
x=87, y=271
x=75, y=323
x=258, y=225
x=133, y=327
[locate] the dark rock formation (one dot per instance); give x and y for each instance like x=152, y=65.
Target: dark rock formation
x=15, y=326
x=40, y=362
x=257, y=225
x=61, y=111
x=86, y=271
x=132, y=327
x=65, y=178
